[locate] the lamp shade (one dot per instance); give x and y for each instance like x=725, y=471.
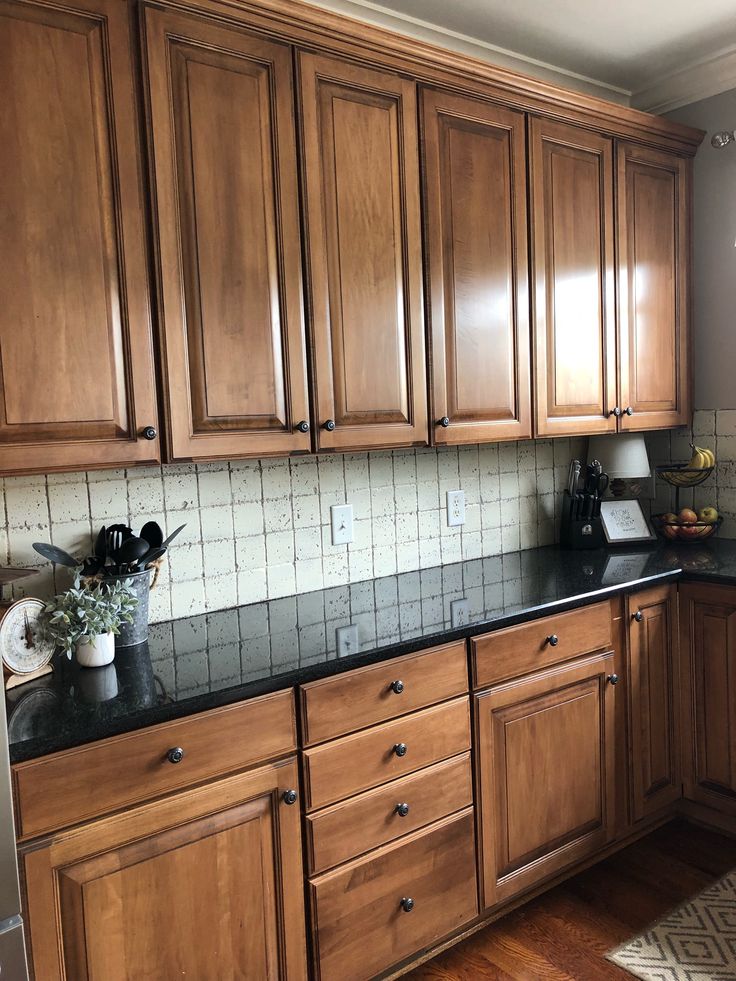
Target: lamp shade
x=623, y=456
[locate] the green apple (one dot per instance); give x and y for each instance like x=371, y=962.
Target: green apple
x=708, y=516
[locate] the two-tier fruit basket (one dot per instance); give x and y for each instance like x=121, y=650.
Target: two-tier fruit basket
x=686, y=475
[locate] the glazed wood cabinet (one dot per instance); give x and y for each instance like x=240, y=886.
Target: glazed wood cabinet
x=539, y=814
x=363, y=241
x=225, y=180
x=76, y=365
x=478, y=311
x=654, y=692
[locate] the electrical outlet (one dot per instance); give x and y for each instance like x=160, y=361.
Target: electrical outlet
x=341, y=518
x=456, y=507
x=460, y=612
x=347, y=640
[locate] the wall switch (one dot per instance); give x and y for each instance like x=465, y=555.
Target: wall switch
x=341, y=516
x=347, y=640
x=460, y=612
x=456, y=507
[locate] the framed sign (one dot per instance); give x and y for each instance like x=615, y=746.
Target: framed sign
x=624, y=522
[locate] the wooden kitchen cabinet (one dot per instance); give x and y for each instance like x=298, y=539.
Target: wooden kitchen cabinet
x=225, y=180
x=77, y=383
x=653, y=223
x=654, y=691
x=478, y=285
x=538, y=813
x=204, y=884
x=363, y=239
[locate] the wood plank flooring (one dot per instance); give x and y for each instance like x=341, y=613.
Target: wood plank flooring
x=564, y=934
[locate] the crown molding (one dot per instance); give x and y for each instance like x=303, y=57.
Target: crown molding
x=391, y=20
x=700, y=79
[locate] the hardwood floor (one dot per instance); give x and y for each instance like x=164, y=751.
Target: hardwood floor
x=564, y=934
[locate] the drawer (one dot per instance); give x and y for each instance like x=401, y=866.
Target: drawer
x=351, y=828
x=80, y=784
x=519, y=650
x=367, y=759
x=335, y=706
x=360, y=927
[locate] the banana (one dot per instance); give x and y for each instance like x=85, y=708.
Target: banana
x=702, y=458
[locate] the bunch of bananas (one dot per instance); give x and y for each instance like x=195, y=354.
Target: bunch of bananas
x=702, y=459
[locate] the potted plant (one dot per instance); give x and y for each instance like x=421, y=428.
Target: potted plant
x=86, y=618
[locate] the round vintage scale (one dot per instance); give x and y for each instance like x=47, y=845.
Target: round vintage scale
x=25, y=654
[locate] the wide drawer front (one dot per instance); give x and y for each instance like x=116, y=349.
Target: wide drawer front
x=76, y=785
x=367, y=759
x=343, y=831
x=519, y=650
x=335, y=706
x=375, y=912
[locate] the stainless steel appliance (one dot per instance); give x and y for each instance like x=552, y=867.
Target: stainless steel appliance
x=12, y=948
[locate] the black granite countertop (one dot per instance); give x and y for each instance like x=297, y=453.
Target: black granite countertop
x=227, y=656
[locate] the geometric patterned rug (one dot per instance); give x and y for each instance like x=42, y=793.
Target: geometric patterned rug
x=696, y=942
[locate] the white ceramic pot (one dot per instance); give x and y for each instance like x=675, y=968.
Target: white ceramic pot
x=94, y=652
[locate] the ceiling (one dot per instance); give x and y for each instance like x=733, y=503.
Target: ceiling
x=654, y=53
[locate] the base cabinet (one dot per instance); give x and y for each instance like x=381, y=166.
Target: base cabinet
x=538, y=812
x=132, y=896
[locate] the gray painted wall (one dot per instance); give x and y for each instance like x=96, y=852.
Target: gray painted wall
x=714, y=324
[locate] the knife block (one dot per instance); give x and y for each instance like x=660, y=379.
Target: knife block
x=579, y=532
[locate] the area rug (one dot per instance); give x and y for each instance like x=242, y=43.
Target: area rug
x=696, y=942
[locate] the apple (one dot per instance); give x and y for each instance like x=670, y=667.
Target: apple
x=708, y=515
x=669, y=519
x=670, y=531
x=689, y=531
x=687, y=516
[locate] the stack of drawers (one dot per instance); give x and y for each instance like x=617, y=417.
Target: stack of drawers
x=389, y=802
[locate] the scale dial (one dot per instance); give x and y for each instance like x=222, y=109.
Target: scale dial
x=22, y=646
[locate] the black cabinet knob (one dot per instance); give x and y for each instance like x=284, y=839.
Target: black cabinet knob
x=444, y=422
x=407, y=904
x=553, y=640
x=629, y=411
x=330, y=425
x=149, y=433
x=402, y=810
x=175, y=755
x=289, y=797
x=615, y=411
x=397, y=687
x=303, y=426
x=612, y=679
x=400, y=749
x=638, y=616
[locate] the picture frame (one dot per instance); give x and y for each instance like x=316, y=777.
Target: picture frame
x=624, y=522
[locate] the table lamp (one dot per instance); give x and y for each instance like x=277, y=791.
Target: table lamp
x=623, y=457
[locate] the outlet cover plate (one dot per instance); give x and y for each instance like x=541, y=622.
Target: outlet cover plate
x=341, y=519
x=455, y=508
x=347, y=640
x=460, y=612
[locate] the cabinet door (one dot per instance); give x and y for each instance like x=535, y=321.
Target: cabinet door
x=361, y=174
x=224, y=173
x=205, y=884
x=653, y=700
x=539, y=813
x=76, y=369
x=708, y=631
x=573, y=269
x=653, y=222
x=475, y=208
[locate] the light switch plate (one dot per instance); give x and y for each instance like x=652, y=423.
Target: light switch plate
x=347, y=640
x=460, y=612
x=341, y=518
x=455, y=507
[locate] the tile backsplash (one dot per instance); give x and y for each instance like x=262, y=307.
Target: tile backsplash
x=260, y=529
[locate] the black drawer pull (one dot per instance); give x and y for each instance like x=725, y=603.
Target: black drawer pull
x=407, y=904
x=397, y=687
x=553, y=640
x=612, y=679
x=289, y=797
x=638, y=616
x=402, y=810
x=175, y=755
x=400, y=749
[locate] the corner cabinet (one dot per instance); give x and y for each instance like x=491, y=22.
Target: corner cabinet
x=476, y=235
x=363, y=239
x=229, y=253
x=76, y=361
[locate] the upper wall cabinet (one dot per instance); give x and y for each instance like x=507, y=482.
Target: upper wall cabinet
x=224, y=175
x=475, y=215
x=361, y=177
x=574, y=287
x=76, y=367
x=654, y=263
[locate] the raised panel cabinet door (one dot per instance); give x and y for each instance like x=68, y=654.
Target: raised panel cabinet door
x=361, y=179
x=545, y=771
x=708, y=631
x=654, y=692
x=77, y=385
x=571, y=181
x=475, y=214
x=206, y=884
x=653, y=225
x=224, y=175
